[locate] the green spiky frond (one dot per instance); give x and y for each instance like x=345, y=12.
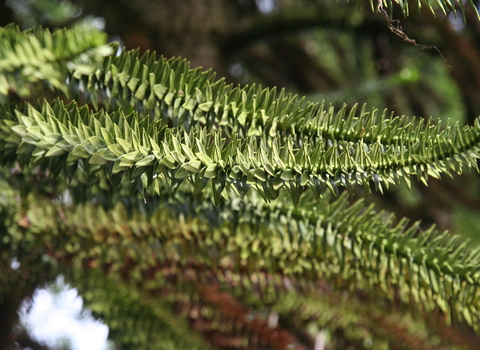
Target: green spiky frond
x=332, y=154
x=28, y=58
x=351, y=246
x=170, y=91
x=242, y=243
x=134, y=321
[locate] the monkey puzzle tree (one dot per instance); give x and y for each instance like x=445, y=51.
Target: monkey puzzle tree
x=191, y=213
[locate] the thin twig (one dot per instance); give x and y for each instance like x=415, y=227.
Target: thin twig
x=397, y=29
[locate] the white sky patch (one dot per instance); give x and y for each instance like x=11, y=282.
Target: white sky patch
x=265, y=6
x=14, y=264
x=58, y=319
x=456, y=20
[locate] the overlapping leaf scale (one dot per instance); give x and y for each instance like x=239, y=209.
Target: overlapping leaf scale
x=179, y=96
x=38, y=55
x=351, y=246
x=208, y=311
x=428, y=267
x=293, y=300
x=86, y=228
x=72, y=140
x=306, y=306
x=134, y=319
x=361, y=319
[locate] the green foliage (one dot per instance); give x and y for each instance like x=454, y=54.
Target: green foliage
x=133, y=321
x=319, y=148
x=37, y=56
x=330, y=240
x=243, y=188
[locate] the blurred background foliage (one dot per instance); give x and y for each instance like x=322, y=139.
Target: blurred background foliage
x=325, y=50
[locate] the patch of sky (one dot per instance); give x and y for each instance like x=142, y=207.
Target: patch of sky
x=55, y=317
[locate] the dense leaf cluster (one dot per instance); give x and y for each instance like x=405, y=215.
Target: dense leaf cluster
x=40, y=56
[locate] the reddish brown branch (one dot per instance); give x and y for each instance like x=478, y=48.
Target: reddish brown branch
x=272, y=337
